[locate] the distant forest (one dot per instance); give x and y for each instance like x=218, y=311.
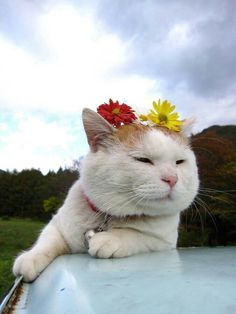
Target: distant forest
x=211, y=219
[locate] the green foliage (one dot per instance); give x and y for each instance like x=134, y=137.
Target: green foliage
x=192, y=237
x=51, y=204
x=22, y=194
x=15, y=235
x=5, y=218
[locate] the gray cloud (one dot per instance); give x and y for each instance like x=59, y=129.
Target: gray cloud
x=205, y=64
x=186, y=46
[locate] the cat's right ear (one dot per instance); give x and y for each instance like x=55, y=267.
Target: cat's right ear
x=97, y=129
x=187, y=126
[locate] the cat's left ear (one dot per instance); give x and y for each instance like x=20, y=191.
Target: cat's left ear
x=187, y=127
x=97, y=129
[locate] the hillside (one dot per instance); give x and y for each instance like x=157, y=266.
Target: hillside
x=212, y=218
x=226, y=131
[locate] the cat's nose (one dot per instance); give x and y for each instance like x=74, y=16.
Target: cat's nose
x=171, y=180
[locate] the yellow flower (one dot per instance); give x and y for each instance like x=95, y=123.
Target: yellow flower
x=142, y=117
x=163, y=115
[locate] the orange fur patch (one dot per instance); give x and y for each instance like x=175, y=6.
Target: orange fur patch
x=131, y=134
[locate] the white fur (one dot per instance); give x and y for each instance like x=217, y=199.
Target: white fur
x=144, y=209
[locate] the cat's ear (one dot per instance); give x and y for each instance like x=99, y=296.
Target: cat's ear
x=97, y=129
x=187, y=127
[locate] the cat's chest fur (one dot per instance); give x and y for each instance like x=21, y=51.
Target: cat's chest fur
x=77, y=216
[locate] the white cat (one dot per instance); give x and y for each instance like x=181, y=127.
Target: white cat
x=134, y=183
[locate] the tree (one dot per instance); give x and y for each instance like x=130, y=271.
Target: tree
x=53, y=203
x=215, y=204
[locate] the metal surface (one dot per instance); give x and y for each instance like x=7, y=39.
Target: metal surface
x=199, y=280
x=6, y=303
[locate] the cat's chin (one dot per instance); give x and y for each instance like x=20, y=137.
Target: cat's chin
x=160, y=198
x=154, y=203
x=157, y=202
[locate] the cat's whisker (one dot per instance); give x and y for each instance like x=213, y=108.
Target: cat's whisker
x=207, y=210
x=214, y=191
x=109, y=205
x=130, y=195
x=193, y=214
x=114, y=183
x=129, y=200
x=141, y=199
x=199, y=213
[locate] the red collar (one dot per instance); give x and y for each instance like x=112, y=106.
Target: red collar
x=97, y=210
x=91, y=205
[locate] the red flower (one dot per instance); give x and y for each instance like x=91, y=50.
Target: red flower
x=117, y=114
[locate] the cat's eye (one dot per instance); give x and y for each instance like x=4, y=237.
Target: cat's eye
x=143, y=159
x=180, y=161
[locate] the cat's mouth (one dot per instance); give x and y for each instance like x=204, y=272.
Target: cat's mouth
x=158, y=198
x=161, y=198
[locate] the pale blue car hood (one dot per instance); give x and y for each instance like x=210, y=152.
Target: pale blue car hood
x=184, y=281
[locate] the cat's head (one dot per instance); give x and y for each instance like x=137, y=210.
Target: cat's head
x=137, y=169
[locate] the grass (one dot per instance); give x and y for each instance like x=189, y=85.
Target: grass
x=15, y=235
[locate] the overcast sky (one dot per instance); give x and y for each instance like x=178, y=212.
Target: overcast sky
x=57, y=57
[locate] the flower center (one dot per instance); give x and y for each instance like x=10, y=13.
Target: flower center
x=162, y=117
x=115, y=111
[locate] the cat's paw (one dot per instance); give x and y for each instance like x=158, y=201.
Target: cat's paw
x=105, y=245
x=30, y=265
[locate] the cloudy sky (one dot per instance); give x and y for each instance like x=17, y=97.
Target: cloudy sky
x=57, y=57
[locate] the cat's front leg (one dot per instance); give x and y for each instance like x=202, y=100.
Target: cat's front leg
x=49, y=245
x=123, y=242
